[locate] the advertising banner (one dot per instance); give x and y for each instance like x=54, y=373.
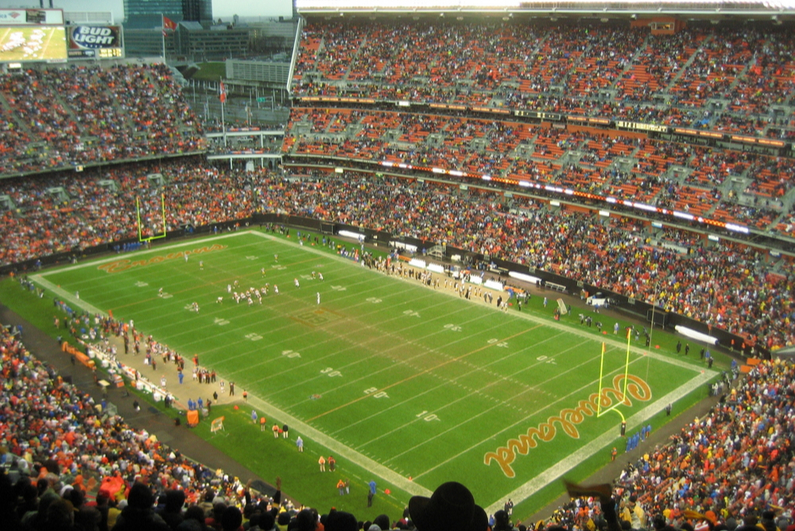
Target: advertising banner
x=103, y=42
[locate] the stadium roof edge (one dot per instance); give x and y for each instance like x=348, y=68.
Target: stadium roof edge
x=553, y=12
x=672, y=8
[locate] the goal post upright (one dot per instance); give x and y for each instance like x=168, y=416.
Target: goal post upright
x=599, y=411
x=601, y=374
x=140, y=226
x=626, y=368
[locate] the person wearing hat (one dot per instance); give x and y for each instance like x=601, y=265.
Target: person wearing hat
x=139, y=513
x=382, y=521
x=171, y=510
x=633, y=513
x=340, y=521
x=451, y=507
x=232, y=519
x=305, y=520
x=502, y=522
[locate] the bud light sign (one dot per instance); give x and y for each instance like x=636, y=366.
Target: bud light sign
x=87, y=41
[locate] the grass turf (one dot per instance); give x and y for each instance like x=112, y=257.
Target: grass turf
x=393, y=378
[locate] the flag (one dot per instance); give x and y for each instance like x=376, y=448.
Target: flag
x=222, y=92
x=168, y=23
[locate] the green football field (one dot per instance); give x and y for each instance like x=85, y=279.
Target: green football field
x=415, y=386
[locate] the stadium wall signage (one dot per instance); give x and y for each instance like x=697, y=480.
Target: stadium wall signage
x=567, y=420
x=638, y=126
x=95, y=37
x=117, y=266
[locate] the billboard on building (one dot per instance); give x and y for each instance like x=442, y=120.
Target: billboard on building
x=31, y=17
x=20, y=44
x=101, y=42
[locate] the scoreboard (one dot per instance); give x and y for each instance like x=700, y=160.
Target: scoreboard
x=100, y=41
x=31, y=17
x=28, y=35
x=32, y=43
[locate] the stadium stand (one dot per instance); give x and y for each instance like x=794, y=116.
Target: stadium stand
x=709, y=283
x=732, y=464
x=59, y=444
x=669, y=175
x=703, y=76
x=105, y=114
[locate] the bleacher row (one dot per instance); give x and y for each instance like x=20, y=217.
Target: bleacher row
x=64, y=117
x=727, y=185
x=64, y=213
x=736, y=79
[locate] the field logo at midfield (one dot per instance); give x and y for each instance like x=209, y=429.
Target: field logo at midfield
x=568, y=420
x=123, y=265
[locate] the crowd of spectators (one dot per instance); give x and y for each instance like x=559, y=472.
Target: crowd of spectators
x=701, y=76
x=79, y=115
x=66, y=213
x=711, y=283
x=726, y=285
x=727, y=185
x=728, y=78
x=735, y=463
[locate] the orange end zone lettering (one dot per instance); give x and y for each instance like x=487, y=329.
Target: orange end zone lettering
x=568, y=419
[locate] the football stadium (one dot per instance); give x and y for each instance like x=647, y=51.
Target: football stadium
x=506, y=265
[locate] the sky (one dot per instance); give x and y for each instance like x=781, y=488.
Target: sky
x=224, y=9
